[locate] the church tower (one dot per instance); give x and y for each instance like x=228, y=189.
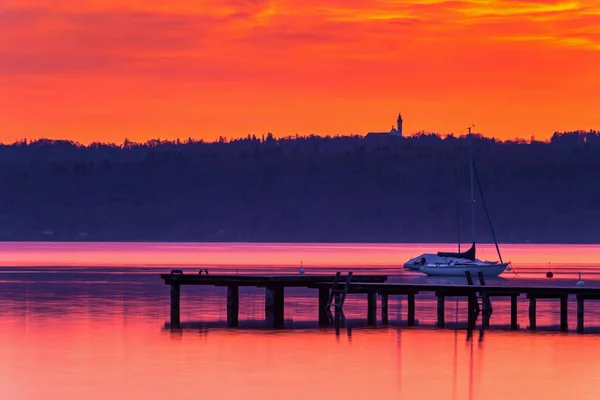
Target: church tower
x=399, y=124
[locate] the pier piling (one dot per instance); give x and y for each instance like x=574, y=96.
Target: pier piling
x=274, y=306
x=532, y=312
x=323, y=299
x=175, y=299
x=372, y=307
x=564, y=302
x=472, y=311
x=564, y=307
x=384, y=309
x=513, y=312
x=440, y=309
x=411, y=309
x=233, y=305
x=486, y=308
x=579, y=314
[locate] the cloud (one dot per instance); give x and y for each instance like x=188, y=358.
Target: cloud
x=569, y=29
x=190, y=62
x=43, y=41
x=153, y=36
x=512, y=8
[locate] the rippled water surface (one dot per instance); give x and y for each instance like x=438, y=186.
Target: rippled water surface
x=90, y=321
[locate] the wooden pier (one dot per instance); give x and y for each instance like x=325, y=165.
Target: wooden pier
x=332, y=289
x=274, y=291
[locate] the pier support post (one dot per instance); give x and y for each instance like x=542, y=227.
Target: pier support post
x=274, y=306
x=233, y=305
x=473, y=310
x=440, y=309
x=564, y=307
x=384, y=309
x=487, y=308
x=411, y=309
x=175, y=310
x=372, y=308
x=532, y=313
x=513, y=312
x=579, y=314
x=323, y=298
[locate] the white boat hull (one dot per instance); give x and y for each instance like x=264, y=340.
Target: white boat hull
x=488, y=270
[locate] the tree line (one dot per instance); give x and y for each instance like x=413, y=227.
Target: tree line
x=378, y=188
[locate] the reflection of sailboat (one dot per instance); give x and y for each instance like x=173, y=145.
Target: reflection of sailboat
x=456, y=264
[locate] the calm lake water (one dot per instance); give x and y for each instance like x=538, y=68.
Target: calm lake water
x=90, y=321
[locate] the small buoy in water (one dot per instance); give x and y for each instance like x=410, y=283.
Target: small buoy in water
x=580, y=282
x=301, y=268
x=549, y=274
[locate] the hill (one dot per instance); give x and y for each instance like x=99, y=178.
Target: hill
x=310, y=189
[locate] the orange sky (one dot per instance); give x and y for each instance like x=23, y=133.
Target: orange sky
x=103, y=70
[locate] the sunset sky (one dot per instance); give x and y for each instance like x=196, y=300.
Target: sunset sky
x=104, y=70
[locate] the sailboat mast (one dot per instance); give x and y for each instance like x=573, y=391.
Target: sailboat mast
x=457, y=191
x=458, y=224
x=472, y=185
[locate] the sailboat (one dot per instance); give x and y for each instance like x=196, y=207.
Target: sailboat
x=456, y=264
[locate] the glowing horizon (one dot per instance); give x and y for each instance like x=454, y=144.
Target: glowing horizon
x=127, y=142
x=107, y=70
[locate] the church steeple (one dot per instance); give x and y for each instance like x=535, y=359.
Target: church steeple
x=399, y=123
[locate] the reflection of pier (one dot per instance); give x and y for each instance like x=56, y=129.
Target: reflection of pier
x=374, y=285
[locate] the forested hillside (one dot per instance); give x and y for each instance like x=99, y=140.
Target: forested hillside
x=313, y=189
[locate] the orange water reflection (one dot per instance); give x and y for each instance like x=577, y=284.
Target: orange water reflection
x=96, y=335
x=82, y=358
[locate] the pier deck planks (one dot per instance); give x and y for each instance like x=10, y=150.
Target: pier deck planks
x=286, y=280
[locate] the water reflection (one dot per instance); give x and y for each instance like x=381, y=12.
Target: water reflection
x=74, y=358
x=98, y=333
x=250, y=257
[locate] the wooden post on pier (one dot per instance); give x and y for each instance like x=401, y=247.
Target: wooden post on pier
x=532, y=313
x=564, y=307
x=411, y=309
x=323, y=299
x=472, y=312
x=579, y=314
x=372, y=308
x=274, y=306
x=513, y=312
x=384, y=309
x=487, y=307
x=175, y=300
x=440, y=309
x=233, y=305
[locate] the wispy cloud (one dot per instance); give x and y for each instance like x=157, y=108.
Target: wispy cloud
x=389, y=50
x=512, y=8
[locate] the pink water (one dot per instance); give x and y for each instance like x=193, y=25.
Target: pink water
x=89, y=321
x=249, y=255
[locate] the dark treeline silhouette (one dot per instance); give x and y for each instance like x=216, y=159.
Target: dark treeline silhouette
x=377, y=188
